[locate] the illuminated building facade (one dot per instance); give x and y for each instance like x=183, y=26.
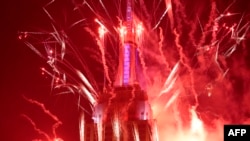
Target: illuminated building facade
x=125, y=113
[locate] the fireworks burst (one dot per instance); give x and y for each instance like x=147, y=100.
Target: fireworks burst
x=47, y=112
x=193, y=58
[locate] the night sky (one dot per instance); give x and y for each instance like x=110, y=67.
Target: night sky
x=20, y=75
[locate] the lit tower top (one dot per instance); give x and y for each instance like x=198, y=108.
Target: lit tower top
x=124, y=113
x=126, y=74
x=129, y=17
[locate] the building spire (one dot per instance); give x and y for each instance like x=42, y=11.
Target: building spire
x=126, y=74
x=129, y=16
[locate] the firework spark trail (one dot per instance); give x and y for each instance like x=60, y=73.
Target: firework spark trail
x=238, y=39
x=179, y=18
x=170, y=81
x=197, y=128
x=46, y=11
x=88, y=94
x=93, y=9
x=213, y=22
x=87, y=72
x=36, y=128
x=168, y=3
x=34, y=49
x=169, y=90
x=116, y=127
x=118, y=5
x=139, y=33
x=82, y=128
x=155, y=136
x=49, y=3
x=184, y=61
x=99, y=130
x=85, y=2
x=217, y=62
x=161, y=50
x=191, y=34
x=234, y=36
x=216, y=44
x=244, y=27
x=52, y=60
x=86, y=82
x=214, y=49
x=172, y=99
x=60, y=39
x=212, y=15
x=177, y=116
x=205, y=33
x=106, y=11
x=142, y=61
x=163, y=15
x=51, y=55
x=196, y=124
x=70, y=86
x=136, y=133
x=140, y=38
x=144, y=8
x=101, y=45
x=47, y=112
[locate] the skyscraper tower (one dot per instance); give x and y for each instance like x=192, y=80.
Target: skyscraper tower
x=124, y=113
x=126, y=74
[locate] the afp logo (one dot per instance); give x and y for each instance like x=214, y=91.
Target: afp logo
x=236, y=132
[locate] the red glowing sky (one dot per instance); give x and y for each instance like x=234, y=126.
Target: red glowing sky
x=20, y=73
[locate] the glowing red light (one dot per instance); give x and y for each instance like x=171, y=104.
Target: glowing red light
x=228, y=14
x=22, y=35
x=101, y=31
x=122, y=31
x=51, y=51
x=57, y=80
x=58, y=139
x=139, y=30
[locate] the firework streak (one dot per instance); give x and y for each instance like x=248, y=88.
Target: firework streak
x=192, y=56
